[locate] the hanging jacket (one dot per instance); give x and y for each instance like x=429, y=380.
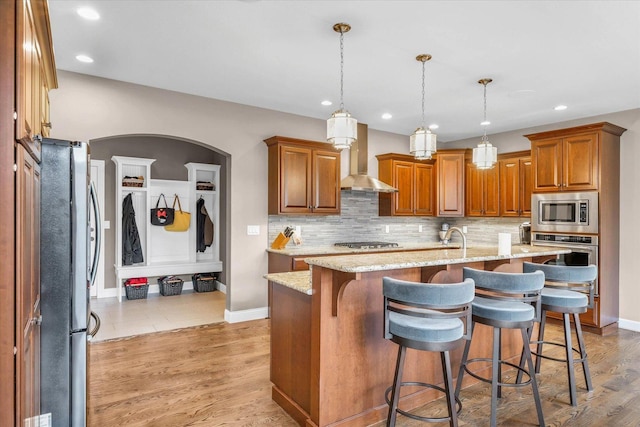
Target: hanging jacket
x=131, y=248
x=204, y=227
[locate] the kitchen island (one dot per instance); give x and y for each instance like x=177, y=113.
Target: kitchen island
x=330, y=364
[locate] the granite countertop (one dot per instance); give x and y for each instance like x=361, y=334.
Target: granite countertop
x=360, y=263
x=338, y=250
x=298, y=280
x=357, y=263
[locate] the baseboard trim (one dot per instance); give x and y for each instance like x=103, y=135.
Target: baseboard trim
x=630, y=325
x=246, y=315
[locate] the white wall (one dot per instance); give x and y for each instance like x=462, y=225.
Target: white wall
x=85, y=108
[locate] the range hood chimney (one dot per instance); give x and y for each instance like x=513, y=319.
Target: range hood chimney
x=358, y=180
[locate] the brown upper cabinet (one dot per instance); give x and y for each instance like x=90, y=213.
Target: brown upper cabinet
x=304, y=177
x=450, y=170
x=482, y=190
x=415, y=181
x=36, y=74
x=516, y=184
x=569, y=159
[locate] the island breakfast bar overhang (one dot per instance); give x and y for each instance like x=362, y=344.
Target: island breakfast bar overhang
x=330, y=365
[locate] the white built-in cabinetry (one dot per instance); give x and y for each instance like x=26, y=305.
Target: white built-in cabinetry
x=166, y=252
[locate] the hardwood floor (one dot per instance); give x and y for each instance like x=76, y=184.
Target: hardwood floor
x=218, y=375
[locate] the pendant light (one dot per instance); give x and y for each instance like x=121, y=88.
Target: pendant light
x=485, y=155
x=422, y=144
x=342, y=129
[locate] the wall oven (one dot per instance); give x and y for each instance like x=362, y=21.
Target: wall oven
x=584, y=249
x=565, y=212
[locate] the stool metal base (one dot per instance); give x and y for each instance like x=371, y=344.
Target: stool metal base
x=393, y=399
x=419, y=417
x=517, y=383
x=496, y=370
x=569, y=359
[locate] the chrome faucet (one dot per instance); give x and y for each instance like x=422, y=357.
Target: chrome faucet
x=447, y=236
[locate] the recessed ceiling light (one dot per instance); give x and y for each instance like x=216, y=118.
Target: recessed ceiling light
x=84, y=58
x=326, y=102
x=88, y=13
x=485, y=123
x=560, y=107
x=386, y=116
x=433, y=126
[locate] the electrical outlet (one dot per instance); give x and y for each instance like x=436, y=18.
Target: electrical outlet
x=386, y=228
x=464, y=229
x=420, y=228
x=298, y=231
x=253, y=230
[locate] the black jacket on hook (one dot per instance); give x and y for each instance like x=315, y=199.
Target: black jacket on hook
x=204, y=235
x=131, y=248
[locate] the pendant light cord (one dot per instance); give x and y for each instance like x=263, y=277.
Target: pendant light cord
x=423, y=91
x=341, y=69
x=484, y=137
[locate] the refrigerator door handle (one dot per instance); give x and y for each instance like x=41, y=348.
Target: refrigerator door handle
x=95, y=330
x=98, y=220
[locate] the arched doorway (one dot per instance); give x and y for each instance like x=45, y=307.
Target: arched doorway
x=171, y=154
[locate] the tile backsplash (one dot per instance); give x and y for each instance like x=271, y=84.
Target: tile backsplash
x=359, y=221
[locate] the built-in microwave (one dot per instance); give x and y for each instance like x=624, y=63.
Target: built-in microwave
x=565, y=212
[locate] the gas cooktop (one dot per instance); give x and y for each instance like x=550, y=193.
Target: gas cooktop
x=367, y=245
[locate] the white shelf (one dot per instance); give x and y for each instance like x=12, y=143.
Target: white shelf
x=166, y=252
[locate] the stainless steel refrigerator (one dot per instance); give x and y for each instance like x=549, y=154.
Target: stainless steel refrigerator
x=68, y=208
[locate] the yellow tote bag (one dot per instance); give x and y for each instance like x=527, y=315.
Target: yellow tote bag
x=181, y=220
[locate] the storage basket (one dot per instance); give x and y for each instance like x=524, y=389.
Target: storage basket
x=203, y=282
x=170, y=285
x=205, y=185
x=133, y=181
x=136, y=288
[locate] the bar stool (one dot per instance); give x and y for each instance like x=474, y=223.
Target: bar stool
x=429, y=317
x=506, y=301
x=567, y=290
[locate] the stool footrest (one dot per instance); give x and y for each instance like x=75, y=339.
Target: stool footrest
x=555, y=359
x=500, y=383
x=387, y=397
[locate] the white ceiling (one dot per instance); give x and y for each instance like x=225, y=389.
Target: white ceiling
x=284, y=55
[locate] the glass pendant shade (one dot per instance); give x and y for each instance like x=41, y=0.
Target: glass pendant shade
x=422, y=144
x=485, y=155
x=342, y=129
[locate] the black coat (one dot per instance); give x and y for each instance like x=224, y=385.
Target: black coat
x=204, y=235
x=131, y=248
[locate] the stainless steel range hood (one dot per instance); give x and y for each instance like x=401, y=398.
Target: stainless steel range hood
x=358, y=180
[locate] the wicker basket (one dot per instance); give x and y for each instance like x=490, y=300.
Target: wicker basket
x=136, y=291
x=170, y=285
x=132, y=181
x=203, y=282
x=205, y=186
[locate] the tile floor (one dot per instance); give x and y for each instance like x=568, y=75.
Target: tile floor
x=157, y=313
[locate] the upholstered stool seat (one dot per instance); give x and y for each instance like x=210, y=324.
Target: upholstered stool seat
x=503, y=301
x=508, y=311
x=568, y=290
x=430, y=317
x=563, y=298
x=428, y=330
